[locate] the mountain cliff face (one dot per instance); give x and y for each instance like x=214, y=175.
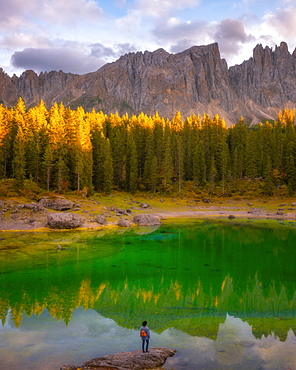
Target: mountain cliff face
x=195, y=81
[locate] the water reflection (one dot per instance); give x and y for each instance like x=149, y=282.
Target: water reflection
x=47, y=344
x=167, y=303
x=207, y=289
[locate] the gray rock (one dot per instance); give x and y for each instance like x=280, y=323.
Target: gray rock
x=144, y=205
x=207, y=200
x=123, y=223
x=146, y=220
x=59, y=204
x=136, y=360
x=35, y=207
x=64, y=220
x=101, y=220
x=280, y=213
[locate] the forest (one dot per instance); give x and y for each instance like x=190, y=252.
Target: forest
x=61, y=149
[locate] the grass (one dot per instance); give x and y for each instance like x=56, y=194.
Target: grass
x=188, y=200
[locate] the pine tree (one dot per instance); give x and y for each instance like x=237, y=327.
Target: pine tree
x=268, y=179
x=212, y=176
x=19, y=165
x=199, y=165
x=252, y=155
x=48, y=164
x=108, y=169
x=153, y=175
x=179, y=162
x=131, y=165
x=167, y=166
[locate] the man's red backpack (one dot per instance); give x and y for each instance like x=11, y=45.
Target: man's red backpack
x=143, y=333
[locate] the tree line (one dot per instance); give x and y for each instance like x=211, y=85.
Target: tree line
x=61, y=149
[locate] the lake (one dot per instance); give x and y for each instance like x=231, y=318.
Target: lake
x=223, y=293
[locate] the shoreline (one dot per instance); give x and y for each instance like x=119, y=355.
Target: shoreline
x=211, y=212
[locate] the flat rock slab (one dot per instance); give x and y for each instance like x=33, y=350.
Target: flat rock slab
x=136, y=360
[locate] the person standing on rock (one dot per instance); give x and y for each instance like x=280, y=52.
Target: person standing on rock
x=145, y=335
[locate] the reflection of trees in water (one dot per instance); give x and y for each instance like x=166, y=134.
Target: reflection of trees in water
x=194, y=310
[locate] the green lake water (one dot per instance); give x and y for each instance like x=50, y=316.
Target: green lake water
x=222, y=293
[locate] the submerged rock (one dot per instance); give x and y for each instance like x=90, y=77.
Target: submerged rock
x=136, y=360
x=146, y=220
x=64, y=220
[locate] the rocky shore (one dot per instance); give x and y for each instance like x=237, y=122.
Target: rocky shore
x=136, y=360
x=60, y=213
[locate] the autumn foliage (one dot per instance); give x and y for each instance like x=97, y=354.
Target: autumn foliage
x=61, y=149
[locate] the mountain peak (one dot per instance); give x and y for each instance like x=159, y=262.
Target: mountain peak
x=193, y=81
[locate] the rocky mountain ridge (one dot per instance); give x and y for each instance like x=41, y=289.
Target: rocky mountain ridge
x=194, y=81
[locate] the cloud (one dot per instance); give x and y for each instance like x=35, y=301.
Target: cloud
x=31, y=13
x=67, y=60
x=100, y=51
x=230, y=35
x=66, y=12
x=125, y=48
x=14, y=12
x=182, y=44
x=173, y=30
x=179, y=35
x=283, y=22
x=158, y=8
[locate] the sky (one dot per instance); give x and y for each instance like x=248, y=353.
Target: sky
x=80, y=36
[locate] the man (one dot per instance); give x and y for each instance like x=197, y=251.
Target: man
x=145, y=335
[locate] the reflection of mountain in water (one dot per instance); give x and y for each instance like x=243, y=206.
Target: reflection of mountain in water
x=92, y=335
x=235, y=347
x=182, y=277
x=194, y=311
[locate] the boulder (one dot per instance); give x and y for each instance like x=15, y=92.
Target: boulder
x=123, y=223
x=146, y=220
x=136, y=360
x=144, y=205
x=59, y=204
x=101, y=220
x=64, y=220
x=35, y=207
x=207, y=200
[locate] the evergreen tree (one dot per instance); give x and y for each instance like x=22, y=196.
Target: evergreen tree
x=199, y=165
x=48, y=164
x=179, y=162
x=212, y=176
x=131, y=165
x=268, y=178
x=167, y=166
x=19, y=165
x=107, y=168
